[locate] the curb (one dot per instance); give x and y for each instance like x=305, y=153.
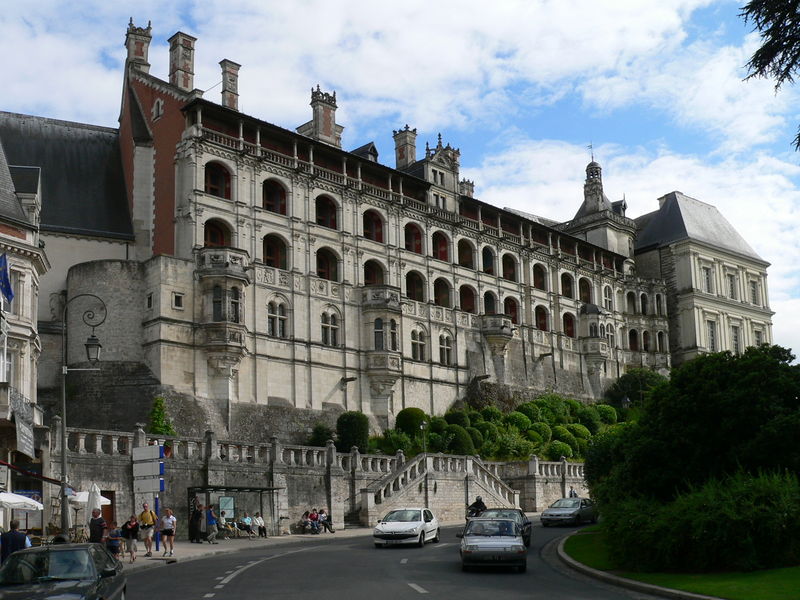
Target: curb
x=631, y=584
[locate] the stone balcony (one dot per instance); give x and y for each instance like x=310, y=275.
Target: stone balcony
x=381, y=297
x=223, y=337
x=595, y=346
x=498, y=331
x=224, y=262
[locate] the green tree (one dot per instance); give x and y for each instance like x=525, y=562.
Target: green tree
x=158, y=420
x=320, y=435
x=460, y=441
x=409, y=420
x=635, y=385
x=352, y=429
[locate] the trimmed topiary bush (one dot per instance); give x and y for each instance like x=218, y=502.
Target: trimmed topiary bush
x=607, y=413
x=409, y=419
x=488, y=430
x=573, y=406
x=543, y=429
x=492, y=414
x=352, y=429
x=394, y=440
x=518, y=420
x=556, y=449
x=590, y=418
x=562, y=434
x=437, y=442
x=460, y=442
x=457, y=417
x=477, y=437
x=475, y=416
x=579, y=431
x=530, y=410
x=533, y=436
x=320, y=435
x=438, y=425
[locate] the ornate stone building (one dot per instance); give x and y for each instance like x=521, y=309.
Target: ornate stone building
x=269, y=267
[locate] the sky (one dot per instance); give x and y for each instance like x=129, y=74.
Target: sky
x=522, y=88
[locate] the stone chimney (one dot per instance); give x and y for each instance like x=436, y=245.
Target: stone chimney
x=137, y=41
x=322, y=125
x=466, y=188
x=181, y=61
x=230, y=83
x=405, y=147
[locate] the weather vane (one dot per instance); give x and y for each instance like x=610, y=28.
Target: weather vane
x=590, y=148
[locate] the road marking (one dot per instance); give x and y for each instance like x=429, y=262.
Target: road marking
x=440, y=545
x=209, y=596
x=417, y=588
x=220, y=577
x=219, y=587
x=252, y=564
x=404, y=561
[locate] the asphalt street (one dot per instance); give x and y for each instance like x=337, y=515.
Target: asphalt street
x=352, y=568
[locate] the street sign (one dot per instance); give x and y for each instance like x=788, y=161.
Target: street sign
x=148, y=453
x=149, y=485
x=148, y=469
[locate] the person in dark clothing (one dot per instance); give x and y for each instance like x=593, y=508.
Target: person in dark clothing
x=476, y=508
x=97, y=527
x=195, y=521
x=12, y=540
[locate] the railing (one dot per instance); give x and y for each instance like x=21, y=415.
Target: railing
x=470, y=224
x=490, y=230
x=221, y=138
x=410, y=472
x=493, y=482
x=98, y=442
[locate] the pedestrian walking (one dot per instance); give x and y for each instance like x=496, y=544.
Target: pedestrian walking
x=97, y=528
x=168, y=528
x=211, y=525
x=130, y=533
x=147, y=524
x=572, y=492
x=114, y=539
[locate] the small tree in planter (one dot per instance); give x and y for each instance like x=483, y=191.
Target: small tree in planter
x=160, y=423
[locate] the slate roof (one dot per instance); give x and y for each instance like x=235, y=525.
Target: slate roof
x=683, y=218
x=10, y=207
x=83, y=189
x=26, y=179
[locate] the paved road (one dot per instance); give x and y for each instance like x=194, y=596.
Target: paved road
x=352, y=568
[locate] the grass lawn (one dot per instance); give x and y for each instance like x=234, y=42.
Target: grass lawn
x=587, y=547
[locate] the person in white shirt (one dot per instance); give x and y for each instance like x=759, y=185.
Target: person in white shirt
x=168, y=528
x=258, y=521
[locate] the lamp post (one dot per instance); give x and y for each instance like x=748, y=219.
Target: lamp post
x=422, y=427
x=93, y=347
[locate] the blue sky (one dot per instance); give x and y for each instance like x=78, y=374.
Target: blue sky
x=521, y=87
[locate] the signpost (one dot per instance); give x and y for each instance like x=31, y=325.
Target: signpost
x=148, y=475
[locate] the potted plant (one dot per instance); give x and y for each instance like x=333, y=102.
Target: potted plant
x=160, y=424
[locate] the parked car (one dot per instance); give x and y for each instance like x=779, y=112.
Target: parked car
x=74, y=571
x=406, y=526
x=514, y=514
x=572, y=511
x=493, y=543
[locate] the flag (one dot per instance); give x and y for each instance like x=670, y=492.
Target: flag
x=5, y=282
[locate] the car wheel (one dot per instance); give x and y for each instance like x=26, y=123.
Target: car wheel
x=544, y=524
x=377, y=545
x=523, y=567
x=421, y=541
x=436, y=537
x=527, y=542
x=577, y=520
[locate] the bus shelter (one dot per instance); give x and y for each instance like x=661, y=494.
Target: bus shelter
x=236, y=500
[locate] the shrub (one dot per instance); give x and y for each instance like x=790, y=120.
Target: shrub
x=508, y=445
x=159, y=422
x=555, y=450
x=590, y=418
x=543, y=429
x=457, y=417
x=579, y=431
x=475, y=416
x=607, y=413
x=438, y=425
x=352, y=429
x=554, y=408
x=488, y=430
x=562, y=434
x=573, y=406
x=320, y=435
x=460, y=442
x=533, y=436
x=408, y=421
x=492, y=414
x=477, y=437
x=530, y=410
x=583, y=447
x=518, y=420
x=438, y=442
x=394, y=440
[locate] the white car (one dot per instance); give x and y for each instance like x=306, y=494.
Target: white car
x=406, y=526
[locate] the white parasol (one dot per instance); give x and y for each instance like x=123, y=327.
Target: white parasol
x=94, y=500
x=83, y=498
x=9, y=500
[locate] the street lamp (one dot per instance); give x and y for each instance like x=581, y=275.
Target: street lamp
x=93, y=348
x=422, y=427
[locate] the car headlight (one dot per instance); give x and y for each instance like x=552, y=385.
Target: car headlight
x=411, y=529
x=470, y=547
x=377, y=530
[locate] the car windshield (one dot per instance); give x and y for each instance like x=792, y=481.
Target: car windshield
x=498, y=513
x=30, y=567
x=492, y=528
x=566, y=503
x=403, y=516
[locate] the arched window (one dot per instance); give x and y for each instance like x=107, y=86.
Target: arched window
x=441, y=293
x=509, y=268
x=489, y=304
x=216, y=234
x=539, y=277
x=378, y=331
x=274, y=252
x=327, y=265
x=593, y=330
x=633, y=340
x=602, y=330
x=585, y=290
x=487, y=260
x=659, y=306
x=610, y=337
x=643, y=300
x=445, y=349
x=330, y=329
x=218, y=180
x=660, y=341
x=326, y=212
x=418, y=345
x=511, y=308
x=466, y=254
x=373, y=273
x=646, y=341
x=566, y=286
x=415, y=286
x=276, y=319
x=608, y=298
x=413, y=238
x=393, y=335
x=466, y=299
x=439, y=246
x=273, y=197
x=235, y=315
x=631, y=303
x=569, y=325
x=540, y=315
x=373, y=226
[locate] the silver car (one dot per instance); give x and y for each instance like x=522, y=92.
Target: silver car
x=493, y=543
x=570, y=511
